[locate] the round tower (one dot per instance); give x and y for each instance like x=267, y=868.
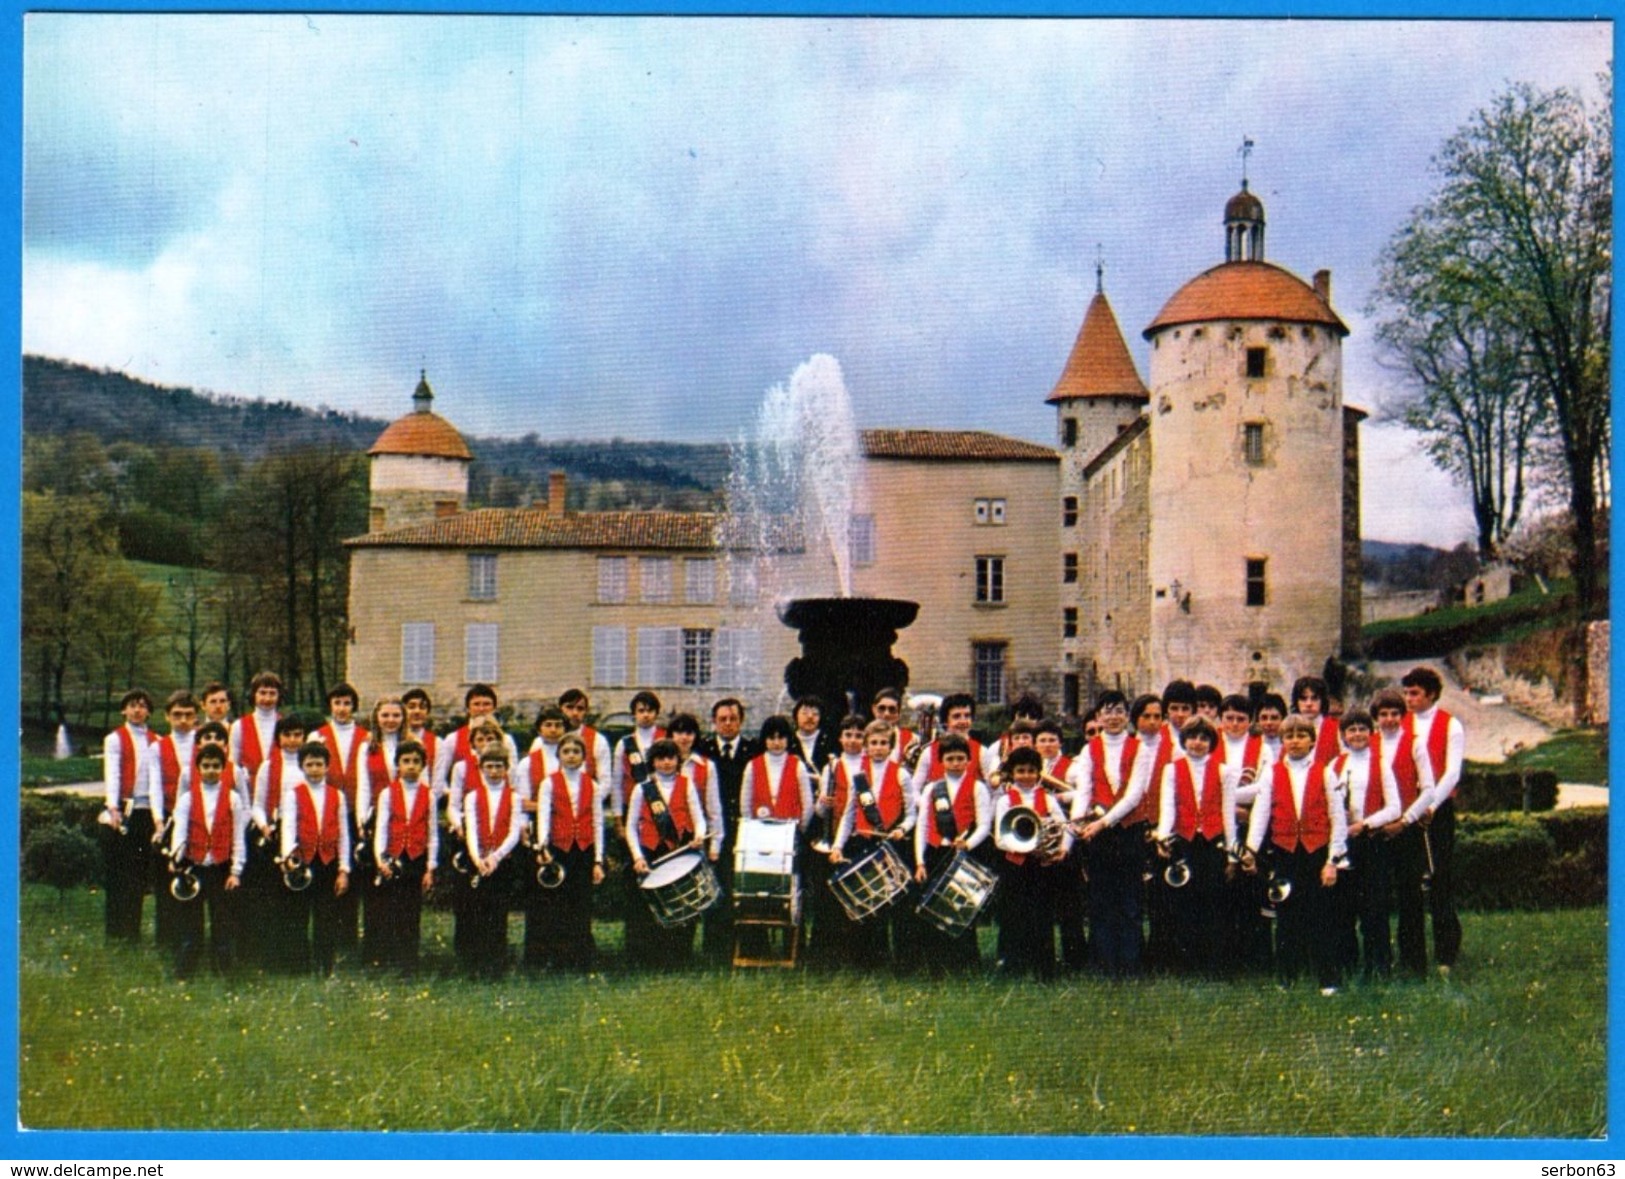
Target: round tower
x=1247, y=491
x=419, y=467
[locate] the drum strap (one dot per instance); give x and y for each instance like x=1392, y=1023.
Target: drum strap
x=942, y=805
x=867, y=802
x=659, y=812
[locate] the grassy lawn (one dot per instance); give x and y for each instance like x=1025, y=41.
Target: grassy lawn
x=45, y=770
x=1574, y=755
x=1512, y=1046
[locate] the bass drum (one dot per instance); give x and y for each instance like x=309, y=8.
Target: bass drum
x=952, y=902
x=765, y=886
x=680, y=888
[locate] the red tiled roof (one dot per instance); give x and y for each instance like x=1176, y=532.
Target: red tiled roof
x=422, y=433
x=537, y=528
x=952, y=444
x=1100, y=364
x=1245, y=290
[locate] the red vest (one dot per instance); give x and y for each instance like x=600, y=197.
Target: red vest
x=408, y=833
x=1062, y=764
x=589, y=742
x=629, y=743
x=169, y=769
x=1150, y=808
x=1373, y=778
x=491, y=834
x=964, y=809
x=342, y=772
x=430, y=743
x=377, y=763
x=841, y=788
x=888, y=797
x=1101, y=792
x=201, y=841
x=1252, y=752
x=1040, y=804
x=127, y=763
x=273, y=787
x=1209, y=820
x=253, y=753
x=1406, y=775
x=571, y=826
x=1438, y=742
x=649, y=834
x=934, y=768
x=783, y=803
x=317, y=842
x=1313, y=828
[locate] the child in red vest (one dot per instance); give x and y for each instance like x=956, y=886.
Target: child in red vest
x=316, y=833
x=664, y=814
x=1194, y=836
x=171, y=757
x=1307, y=834
x=1029, y=883
x=406, y=847
x=1371, y=799
x=879, y=809
x=954, y=814
x=127, y=844
x=570, y=829
x=207, y=838
x=493, y=823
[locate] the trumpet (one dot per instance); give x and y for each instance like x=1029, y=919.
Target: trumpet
x=549, y=871
x=393, y=863
x=925, y=730
x=464, y=865
x=296, y=874
x=184, y=885
x=1178, y=872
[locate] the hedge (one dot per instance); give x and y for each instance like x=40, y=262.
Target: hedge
x=1554, y=860
x=1486, y=791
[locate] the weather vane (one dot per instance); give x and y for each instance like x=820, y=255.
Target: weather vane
x=1100, y=269
x=1246, y=150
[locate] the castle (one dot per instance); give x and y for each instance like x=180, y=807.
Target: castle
x=1202, y=524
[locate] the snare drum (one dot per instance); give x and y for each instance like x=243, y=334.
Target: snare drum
x=866, y=886
x=679, y=888
x=765, y=886
x=962, y=890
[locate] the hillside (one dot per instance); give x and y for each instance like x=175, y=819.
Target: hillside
x=60, y=398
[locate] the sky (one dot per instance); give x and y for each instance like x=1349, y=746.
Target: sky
x=633, y=227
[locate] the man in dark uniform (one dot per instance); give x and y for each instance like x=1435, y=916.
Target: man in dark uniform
x=731, y=751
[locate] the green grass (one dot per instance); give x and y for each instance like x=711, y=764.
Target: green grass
x=1574, y=755
x=1523, y=613
x=45, y=770
x=1510, y=1047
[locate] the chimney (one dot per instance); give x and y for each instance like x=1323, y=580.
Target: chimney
x=555, y=492
x=1323, y=286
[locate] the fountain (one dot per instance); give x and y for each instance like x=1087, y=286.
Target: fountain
x=805, y=463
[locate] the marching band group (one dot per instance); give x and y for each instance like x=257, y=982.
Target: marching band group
x=1191, y=832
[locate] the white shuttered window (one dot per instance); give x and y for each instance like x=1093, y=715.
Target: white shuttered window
x=609, y=656
x=480, y=653
x=417, y=652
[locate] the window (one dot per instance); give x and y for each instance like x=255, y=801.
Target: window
x=998, y=511
x=1069, y=431
x=375, y=519
x=1069, y=622
x=989, y=580
x=1252, y=437
x=1255, y=362
x=1071, y=693
x=480, y=653
x=697, y=652
x=862, y=540
x=989, y=511
x=482, y=577
x=744, y=585
x=612, y=580
x=700, y=581
x=660, y=656
x=1257, y=587
x=1069, y=568
x=655, y=574
x=1069, y=512
x=609, y=656
x=989, y=672
x=417, y=652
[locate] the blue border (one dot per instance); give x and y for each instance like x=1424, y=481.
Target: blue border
x=156, y=1145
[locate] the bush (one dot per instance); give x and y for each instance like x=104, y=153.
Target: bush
x=43, y=811
x=1557, y=860
x=1483, y=791
x=65, y=857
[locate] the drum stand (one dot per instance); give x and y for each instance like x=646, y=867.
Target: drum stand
x=780, y=949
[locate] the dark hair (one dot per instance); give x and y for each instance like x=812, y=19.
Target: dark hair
x=215, y=729
x=213, y=686
x=1310, y=683
x=210, y=753
x=1141, y=703
x=1025, y=757
x=1425, y=678
x=952, y=743
x=314, y=749
x=1179, y=692
x=1110, y=697
x=683, y=722
x=483, y=690
x=1355, y=716
x=266, y=679
x=1236, y=702
x=1388, y=698
x=551, y=712
x=777, y=725
x=728, y=702
x=1271, y=700
x=573, y=696
x=853, y=721
x=1023, y=725
x=134, y=696
x=808, y=702
x=887, y=694
x=1208, y=694
x=1029, y=706
x=1048, y=725
x=341, y=690
x=665, y=747
x=411, y=746
x=292, y=723
x=644, y=699
x=957, y=700
x=180, y=698
x=416, y=694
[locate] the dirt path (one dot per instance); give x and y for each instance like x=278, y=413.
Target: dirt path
x=1492, y=729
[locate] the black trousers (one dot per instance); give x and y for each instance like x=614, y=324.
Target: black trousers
x=322, y=917
x=394, y=930
x=1116, y=860
x=1071, y=909
x=214, y=903
x=870, y=943
x=1442, y=896
x=938, y=950
x=558, y=921
x=1363, y=890
x=1305, y=932
x=1200, y=910
x=1027, y=916
x=484, y=949
x=1408, y=860
x=131, y=865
